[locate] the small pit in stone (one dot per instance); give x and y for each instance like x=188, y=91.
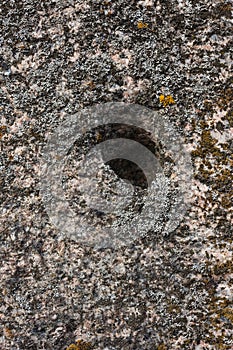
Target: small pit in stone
x=127, y=170
x=122, y=169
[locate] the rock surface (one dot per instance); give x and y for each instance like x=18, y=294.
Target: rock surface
x=160, y=292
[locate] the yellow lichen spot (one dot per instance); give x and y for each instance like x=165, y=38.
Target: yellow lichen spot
x=98, y=137
x=161, y=98
x=142, y=25
x=166, y=100
x=72, y=347
x=80, y=345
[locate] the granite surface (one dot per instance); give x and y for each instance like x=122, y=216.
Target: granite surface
x=161, y=291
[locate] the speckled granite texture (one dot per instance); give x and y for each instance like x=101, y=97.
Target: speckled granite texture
x=58, y=56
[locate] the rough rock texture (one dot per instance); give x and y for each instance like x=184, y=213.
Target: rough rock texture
x=58, y=56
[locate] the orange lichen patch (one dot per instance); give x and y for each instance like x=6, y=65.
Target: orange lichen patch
x=223, y=268
x=162, y=347
x=80, y=345
x=224, y=9
x=228, y=313
x=166, y=100
x=225, y=99
x=207, y=145
x=2, y=130
x=89, y=84
x=227, y=201
x=20, y=45
x=8, y=333
x=142, y=25
x=72, y=347
x=229, y=117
